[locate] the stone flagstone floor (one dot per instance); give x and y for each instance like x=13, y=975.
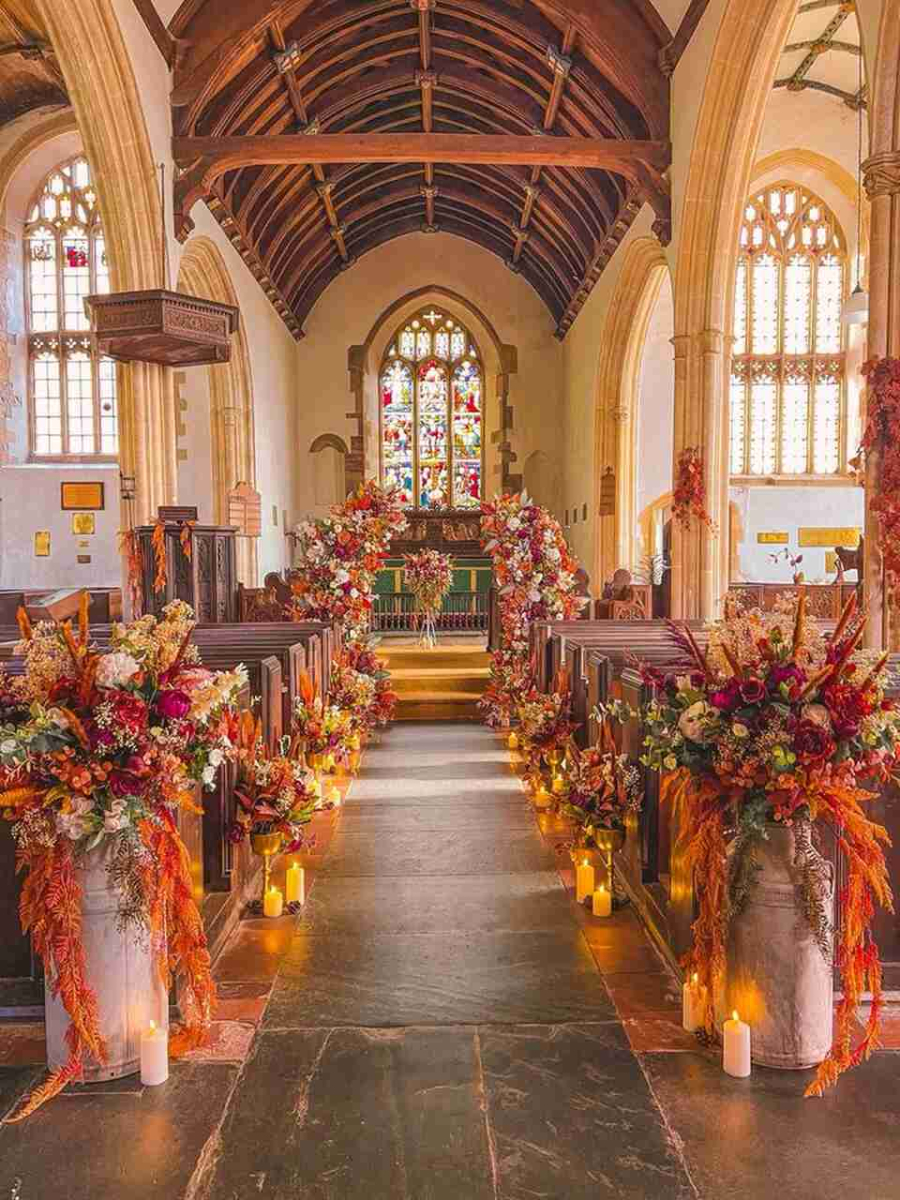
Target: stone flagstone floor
x=443, y=1023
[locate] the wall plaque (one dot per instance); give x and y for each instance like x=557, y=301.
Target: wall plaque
x=42, y=543
x=83, y=524
x=245, y=510
x=829, y=538
x=82, y=495
x=772, y=538
x=83, y=559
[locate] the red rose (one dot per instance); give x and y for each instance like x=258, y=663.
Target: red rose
x=752, y=691
x=812, y=742
x=173, y=704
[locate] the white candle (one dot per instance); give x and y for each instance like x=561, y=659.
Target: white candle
x=559, y=785
x=334, y=796
x=584, y=881
x=273, y=902
x=542, y=798
x=736, y=1048
x=513, y=742
x=295, y=884
x=154, y=1055
x=693, y=1003
x=602, y=902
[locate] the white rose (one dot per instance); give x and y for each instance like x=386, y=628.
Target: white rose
x=740, y=730
x=209, y=776
x=8, y=746
x=692, y=722
x=116, y=669
x=216, y=757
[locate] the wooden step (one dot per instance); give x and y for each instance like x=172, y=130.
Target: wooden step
x=440, y=682
x=428, y=706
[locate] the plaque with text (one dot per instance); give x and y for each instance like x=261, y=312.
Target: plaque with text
x=82, y=495
x=829, y=538
x=772, y=539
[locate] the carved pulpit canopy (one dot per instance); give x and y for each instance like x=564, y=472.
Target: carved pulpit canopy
x=164, y=327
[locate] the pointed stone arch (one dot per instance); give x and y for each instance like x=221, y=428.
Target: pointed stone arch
x=500, y=364
x=618, y=378
x=202, y=272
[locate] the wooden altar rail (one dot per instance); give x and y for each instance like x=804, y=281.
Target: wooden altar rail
x=460, y=611
x=224, y=876
x=652, y=863
x=825, y=600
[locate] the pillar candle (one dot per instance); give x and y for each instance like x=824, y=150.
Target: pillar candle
x=154, y=1055
x=328, y=764
x=559, y=785
x=542, y=797
x=584, y=881
x=693, y=1002
x=295, y=884
x=273, y=902
x=513, y=742
x=602, y=906
x=736, y=1047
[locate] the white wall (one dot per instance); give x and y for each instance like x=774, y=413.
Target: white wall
x=656, y=408
x=30, y=501
x=787, y=510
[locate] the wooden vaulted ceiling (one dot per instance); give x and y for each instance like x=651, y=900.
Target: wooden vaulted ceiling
x=538, y=69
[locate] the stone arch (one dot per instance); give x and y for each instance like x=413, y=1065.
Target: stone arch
x=643, y=273
x=325, y=440
x=329, y=454
x=202, y=272
x=500, y=363
x=94, y=61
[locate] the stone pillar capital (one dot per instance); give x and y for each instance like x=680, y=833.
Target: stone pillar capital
x=881, y=174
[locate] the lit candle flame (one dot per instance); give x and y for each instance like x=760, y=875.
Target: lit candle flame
x=694, y=977
x=734, y=1016
x=153, y=1027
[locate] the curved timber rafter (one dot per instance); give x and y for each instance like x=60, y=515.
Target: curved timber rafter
x=318, y=129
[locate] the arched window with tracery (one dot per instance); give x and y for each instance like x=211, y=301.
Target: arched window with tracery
x=432, y=410
x=788, y=395
x=72, y=390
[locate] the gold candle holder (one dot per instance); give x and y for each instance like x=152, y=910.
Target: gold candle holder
x=266, y=845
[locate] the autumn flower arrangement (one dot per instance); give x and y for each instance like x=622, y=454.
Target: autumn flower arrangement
x=602, y=787
x=360, y=656
x=340, y=556
x=275, y=791
x=321, y=728
x=429, y=576
x=545, y=727
x=535, y=578
x=353, y=692
x=689, y=493
x=882, y=434
x=98, y=751
x=777, y=722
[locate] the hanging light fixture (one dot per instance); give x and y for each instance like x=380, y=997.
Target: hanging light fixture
x=856, y=309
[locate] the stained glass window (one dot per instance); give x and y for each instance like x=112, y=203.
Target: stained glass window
x=432, y=409
x=787, y=386
x=72, y=389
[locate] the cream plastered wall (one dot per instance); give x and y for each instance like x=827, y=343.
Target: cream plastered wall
x=655, y=412
x=347, y=311
x=272, y=350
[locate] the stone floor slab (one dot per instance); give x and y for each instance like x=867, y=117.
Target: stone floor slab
x=755, y=1138
x=94, y=1144
x=357, y=1114
x=438, y=979
x=437, y=904
x=572, y=1115
x=472, y=850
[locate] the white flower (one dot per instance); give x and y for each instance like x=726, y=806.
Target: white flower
x=216, y=757
x=8, y=746
x=116, y=817
x=740, y=730
x=115, y=669
x=209, y=776
x=692, y=722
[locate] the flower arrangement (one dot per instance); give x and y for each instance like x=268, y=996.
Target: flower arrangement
x=340, y=556
x=602, y=787
x=429, y=576
x=102, y=749
x=353, y=692
x=275, y=792
x=360, y=656
x=689, y=493
x=882, y=434
x=321, y=728
x=777, y=722
x=535, y=576
x=545, y=728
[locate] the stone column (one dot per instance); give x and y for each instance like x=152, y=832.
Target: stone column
x=882, y=183
x=699, y=556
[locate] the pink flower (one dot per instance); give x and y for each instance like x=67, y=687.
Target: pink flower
x=173, y=705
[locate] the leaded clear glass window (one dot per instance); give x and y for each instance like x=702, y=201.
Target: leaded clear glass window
x=787, y=385
x=72, y=390
x=432, y=409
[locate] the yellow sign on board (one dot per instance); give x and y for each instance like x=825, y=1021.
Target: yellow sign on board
x=42, y=543
x=772, y=539
x=848, y=536
x=831, y=562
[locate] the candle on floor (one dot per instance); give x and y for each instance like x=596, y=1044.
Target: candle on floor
x=693, y=1003
x=736, y=1047
x=542, y=798
x=154, y=1055
x=513, y=742
x=273, y=902
x=559, y=785
x=602, y=902
x=295, y=884
x=584, y=881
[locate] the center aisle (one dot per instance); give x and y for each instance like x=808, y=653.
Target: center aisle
x=439, y=1029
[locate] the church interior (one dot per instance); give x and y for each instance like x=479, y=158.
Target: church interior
x=449, y=591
